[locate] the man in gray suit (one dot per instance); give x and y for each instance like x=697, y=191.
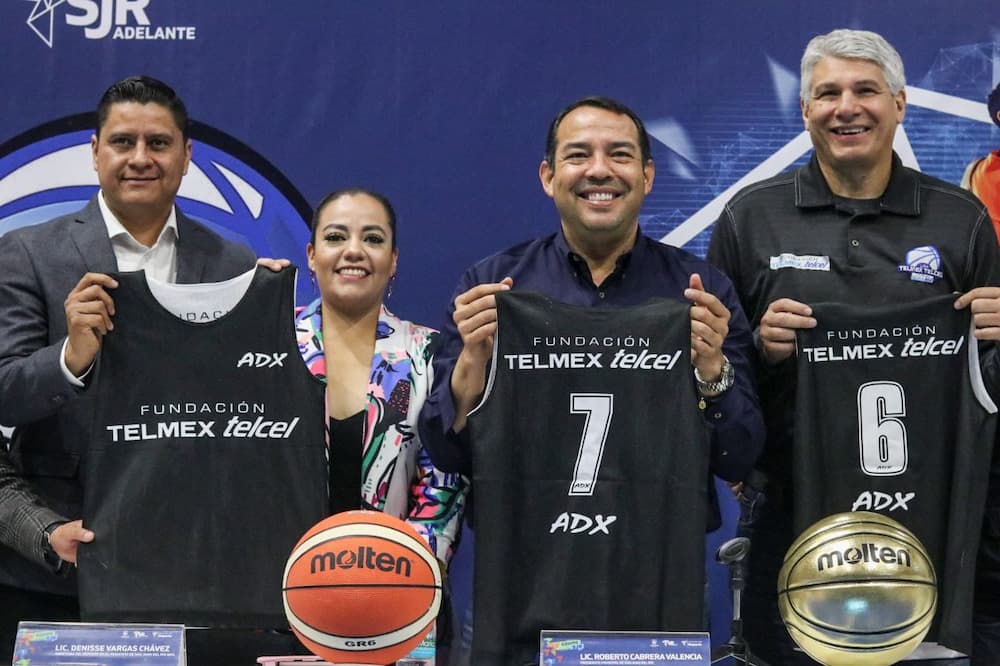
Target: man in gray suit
x=49, y=341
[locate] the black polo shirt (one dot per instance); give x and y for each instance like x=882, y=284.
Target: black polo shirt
x=791, y=237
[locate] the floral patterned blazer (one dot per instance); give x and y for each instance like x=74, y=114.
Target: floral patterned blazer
x=397, y=475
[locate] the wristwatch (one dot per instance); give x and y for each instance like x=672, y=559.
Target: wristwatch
x=722, y=384
x=52, y=558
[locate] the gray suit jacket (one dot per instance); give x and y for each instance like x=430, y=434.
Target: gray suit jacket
x=40, y=266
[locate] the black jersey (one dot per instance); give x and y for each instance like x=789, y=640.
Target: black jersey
x=892, y=416
x=207, y=458
x=590, y=463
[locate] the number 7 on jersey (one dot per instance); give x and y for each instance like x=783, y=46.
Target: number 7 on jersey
x=598, y=408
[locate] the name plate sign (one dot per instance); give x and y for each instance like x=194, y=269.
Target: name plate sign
x=623, y=648
x=73, y=643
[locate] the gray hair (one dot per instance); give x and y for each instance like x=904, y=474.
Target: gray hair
x=857, y=44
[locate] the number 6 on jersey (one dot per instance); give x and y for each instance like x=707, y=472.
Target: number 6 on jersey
x=881, y=433
x=598, y=407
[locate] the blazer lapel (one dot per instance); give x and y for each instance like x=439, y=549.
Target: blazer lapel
x=191, y=259
x=90, y=235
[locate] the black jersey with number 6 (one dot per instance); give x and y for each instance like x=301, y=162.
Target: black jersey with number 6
x=892, y=416
x=207, y=460
x=590, y=467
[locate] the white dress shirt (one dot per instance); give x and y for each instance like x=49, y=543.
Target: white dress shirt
x=159, y=260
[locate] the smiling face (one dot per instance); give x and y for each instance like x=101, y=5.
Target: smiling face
x=352, y=254
x=598, y=179
x=851, y=115
x=140, y=156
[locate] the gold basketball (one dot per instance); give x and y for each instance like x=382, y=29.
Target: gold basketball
x=857, y=589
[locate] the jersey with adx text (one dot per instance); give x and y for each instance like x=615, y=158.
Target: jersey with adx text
x=590, y=463
x=892, y=416
x=207, y=461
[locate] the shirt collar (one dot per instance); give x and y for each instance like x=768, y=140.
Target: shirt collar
x=117, y=230
x=901, y=196
x=621, y=264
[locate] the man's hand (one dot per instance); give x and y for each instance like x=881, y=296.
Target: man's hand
x=273, y=264
x=778, y=325
x=66, y=538
x=709, y=328
x=476, y=318
x=89, y=309
x=984, y=303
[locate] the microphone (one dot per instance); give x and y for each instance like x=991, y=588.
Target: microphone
x=733, y=550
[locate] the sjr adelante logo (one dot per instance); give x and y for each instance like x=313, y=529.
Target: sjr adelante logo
x=101, y=19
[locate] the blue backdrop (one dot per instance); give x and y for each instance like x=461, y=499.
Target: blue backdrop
x=443, y=106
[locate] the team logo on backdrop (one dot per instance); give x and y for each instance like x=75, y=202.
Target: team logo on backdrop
x=48, y=171
x=103, y=19
x=923, y=264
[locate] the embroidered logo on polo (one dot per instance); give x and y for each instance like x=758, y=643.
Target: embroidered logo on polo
x=923, y=264
x=802, y=262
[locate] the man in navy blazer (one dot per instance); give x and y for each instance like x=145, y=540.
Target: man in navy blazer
x=56, y=303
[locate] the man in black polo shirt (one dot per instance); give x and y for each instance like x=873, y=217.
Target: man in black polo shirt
x=853, y=226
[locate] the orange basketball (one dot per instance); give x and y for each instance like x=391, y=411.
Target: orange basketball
x=361, y=587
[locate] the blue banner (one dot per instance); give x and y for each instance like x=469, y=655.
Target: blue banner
x=444, y=106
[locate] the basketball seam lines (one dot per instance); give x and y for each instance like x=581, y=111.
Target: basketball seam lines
x=422, y=586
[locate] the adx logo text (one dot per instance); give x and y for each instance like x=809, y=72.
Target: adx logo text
x=117, y=19
x=259, y=360
x=877, y=501
x=576, y=523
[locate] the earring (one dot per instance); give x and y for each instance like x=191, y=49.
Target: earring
x=388, y=291
x=312, y=278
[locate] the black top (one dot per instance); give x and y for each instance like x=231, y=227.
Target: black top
x=207, y=461
x=650, y=270
x=590, y=504
x=346, y=437
x=912, y=431
x=790, y=237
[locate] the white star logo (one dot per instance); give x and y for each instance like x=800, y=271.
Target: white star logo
x=43, y=9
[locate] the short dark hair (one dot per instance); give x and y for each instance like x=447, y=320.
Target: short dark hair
x=143, y=90
x=993, y=104
x=598, y=102
x=390, y=213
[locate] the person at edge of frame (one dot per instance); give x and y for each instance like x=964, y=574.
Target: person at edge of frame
x=854, y=209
